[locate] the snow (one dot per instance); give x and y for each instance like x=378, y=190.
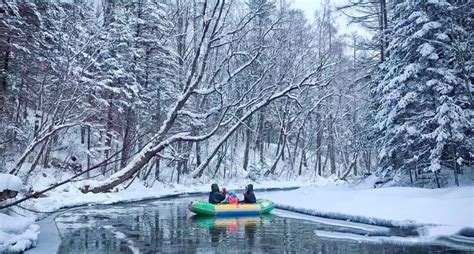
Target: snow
x=458, y=242
x=368, y=229
x=372, y=239
x=17, y=233
x=10, y=182
x=70, y=196
x=426, y=49
x=449, y=209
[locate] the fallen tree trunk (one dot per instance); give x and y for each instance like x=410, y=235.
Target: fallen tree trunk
x=133, y=167
x=39, y=193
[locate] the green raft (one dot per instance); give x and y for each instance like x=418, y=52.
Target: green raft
x=262, y=206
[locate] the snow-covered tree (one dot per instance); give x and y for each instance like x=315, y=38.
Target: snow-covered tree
x=425, y=110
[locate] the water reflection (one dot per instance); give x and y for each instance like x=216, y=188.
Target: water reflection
x=221, y=228
x=167, y=227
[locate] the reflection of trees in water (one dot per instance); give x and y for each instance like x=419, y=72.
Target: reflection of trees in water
x=162, y=227
x=146, y=227
x=217, y=234
x=85, y=240
x=165, y=229
x=250, y=230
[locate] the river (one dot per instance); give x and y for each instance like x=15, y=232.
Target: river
x=166, y=226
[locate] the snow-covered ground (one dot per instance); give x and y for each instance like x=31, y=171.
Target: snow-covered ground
x=71, y=196
x=17, y=233
x=439, y=211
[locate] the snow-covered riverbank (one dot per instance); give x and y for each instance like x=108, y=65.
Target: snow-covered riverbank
x=443, y=211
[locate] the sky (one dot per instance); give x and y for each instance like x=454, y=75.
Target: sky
x=310, y=6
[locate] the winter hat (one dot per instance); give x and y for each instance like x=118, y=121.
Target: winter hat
x=231, y=193
x=224, y=190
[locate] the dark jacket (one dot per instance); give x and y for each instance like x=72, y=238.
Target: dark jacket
x=215, y=197
x=249, y=196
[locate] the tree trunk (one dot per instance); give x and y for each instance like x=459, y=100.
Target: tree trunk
x=280, y=140
x=220, y=158
x=128, y=137
x=383, y=22
x=157, y=169
x=83, y=135
x=248, y=137
x=37, y=158
x=368, y=160
x=295, y=151
x=4, y=77
x=355, y=164
x=178, y=170
x=332, y=155
x=198, y=154
x=88, y=149
x=47, y=153
x=411, y=177
x=326, y=160
x=455, y=166
x=108, y=135
x=416, y=171
x=259, y=143
x=437, y=179
x=319, y=140
x=277, y=159
x=301, y=162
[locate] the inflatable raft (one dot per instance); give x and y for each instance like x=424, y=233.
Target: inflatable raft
x=262, y=206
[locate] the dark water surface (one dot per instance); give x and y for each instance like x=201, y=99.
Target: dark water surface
x=168, y=227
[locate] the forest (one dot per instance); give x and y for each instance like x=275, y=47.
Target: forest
x=184, y=91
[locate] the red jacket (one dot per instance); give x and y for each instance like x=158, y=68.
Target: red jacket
x=233, y=201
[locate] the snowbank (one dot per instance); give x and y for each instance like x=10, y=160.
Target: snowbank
x=451, y=208
x=10, y=182
x=17, y=233
x=70, y=196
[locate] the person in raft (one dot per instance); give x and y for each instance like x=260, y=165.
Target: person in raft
x=215, y=197
x=249, y=196
x=231, y=199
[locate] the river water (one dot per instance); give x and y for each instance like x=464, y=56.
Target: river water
x=166, y=226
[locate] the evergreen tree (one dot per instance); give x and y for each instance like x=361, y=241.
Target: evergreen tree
x=424, y=110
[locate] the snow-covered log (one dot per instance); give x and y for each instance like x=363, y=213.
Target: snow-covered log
x=10, y=185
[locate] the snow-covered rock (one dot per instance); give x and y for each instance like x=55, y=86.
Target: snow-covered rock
x=17, y=233
x=10, y=182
